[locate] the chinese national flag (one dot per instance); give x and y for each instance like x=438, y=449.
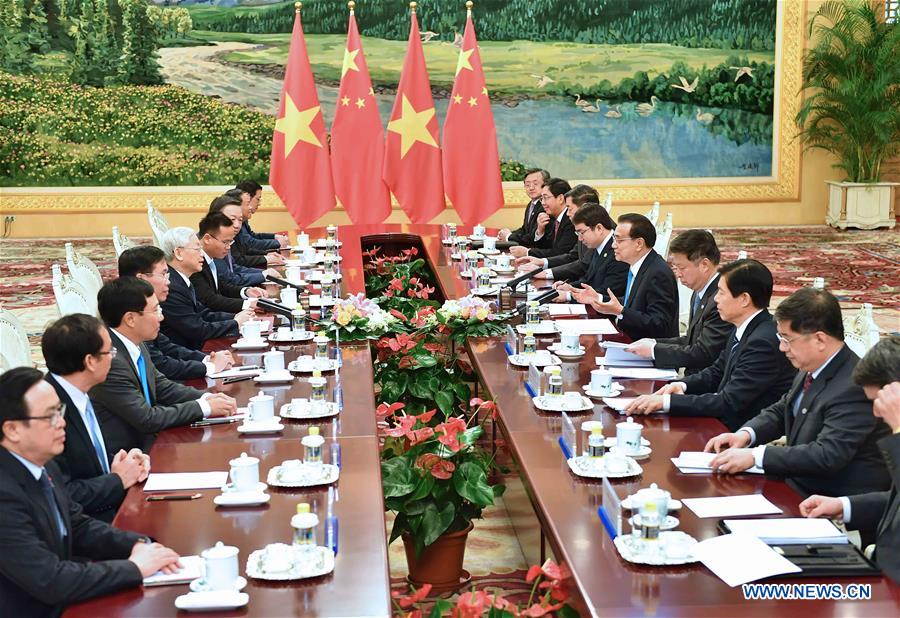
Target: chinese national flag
x=357, y=139
x=301, y=170
x=471, y=162
x=412, y=158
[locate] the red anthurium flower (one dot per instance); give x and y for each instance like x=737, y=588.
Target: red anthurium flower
x=405, y=362
x=384, y=410
x=420, y=435
x=471, y=604
x=435, y=348
x=443, y=469
x=396, y=284
x=397, y=315
x=427, y=461
x=410, y=600
x=537, y=610
x=426, y=416
x=448, y=431
x=403, y=427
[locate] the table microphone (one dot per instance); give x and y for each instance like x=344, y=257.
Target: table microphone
x=544, y=298
x=274, y=307
x=514, y=283
x=284, y=283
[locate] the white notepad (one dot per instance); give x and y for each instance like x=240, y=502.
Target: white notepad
x=600, y=326
x=177, y=481
x=731, y=506
x=741, y=558
x=789, y=531
x=638, y=373
x=192, y=568
x=619, y=356
x=698, y=462
x=556, y=310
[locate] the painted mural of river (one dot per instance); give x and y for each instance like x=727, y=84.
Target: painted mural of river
x=671, y=141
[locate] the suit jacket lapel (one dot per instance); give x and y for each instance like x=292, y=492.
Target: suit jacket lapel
x=818, y=385
x=789, y=421
x=75, y=421
x=639, y=278
x=703, y=309
x=33, y=492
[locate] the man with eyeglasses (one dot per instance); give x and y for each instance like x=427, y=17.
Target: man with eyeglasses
x=230, y=268
x=832, y=436
x=136, y=401
x=554, y=234
x=216, y=235
x=176, y=362
x=524, y=235
x=78, y=353
x=51, y=553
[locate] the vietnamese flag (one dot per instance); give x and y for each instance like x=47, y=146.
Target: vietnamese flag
x=300, y=171
x=412, y=158
x=357, y=139
x=471, y=162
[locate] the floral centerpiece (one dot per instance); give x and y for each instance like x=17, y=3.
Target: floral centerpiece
x=356, y=318
x=469, y=317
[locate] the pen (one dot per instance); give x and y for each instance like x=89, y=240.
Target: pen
x=173, y=497
x=234, y=379
x=246, y=367
x=215, y=421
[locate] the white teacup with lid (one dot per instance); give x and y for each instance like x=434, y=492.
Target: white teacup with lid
x=220, y=567
x=261, y=408
x=244, y=473
x=628, y=436
x=652, y=494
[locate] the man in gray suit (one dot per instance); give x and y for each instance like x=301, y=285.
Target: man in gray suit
x=136, y=401
x=831, y=434
x=695, y=256
x=879, y=512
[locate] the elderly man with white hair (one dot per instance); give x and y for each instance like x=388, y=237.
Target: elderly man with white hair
x=187, y=321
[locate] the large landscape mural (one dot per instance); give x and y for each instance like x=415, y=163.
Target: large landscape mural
x=131, y=92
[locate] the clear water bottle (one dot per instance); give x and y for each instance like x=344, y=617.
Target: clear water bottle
x=298, y=320
x=555, y=383
x=529, y=344
x=312, y=447
x=596, y=444
x=532, y=313
x=304, y=524
x=321, y=347
x=451, y=231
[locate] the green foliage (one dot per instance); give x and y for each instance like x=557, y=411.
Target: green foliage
x=726, y=24
x=852, y=80
x=140, y=31
x=55, y=134
x=96, y=53
x=15, y=50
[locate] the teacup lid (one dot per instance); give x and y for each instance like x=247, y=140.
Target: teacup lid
x=320, y=339
x=314, y=431
x=629, y=422
x=261, y=395
x=590, y=425
x=652, y=493
x=244, y=460
x=220, y=550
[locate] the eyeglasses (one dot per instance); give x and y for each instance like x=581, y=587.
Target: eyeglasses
x=111, y=351
x=546, y=198
x=158, y=311
x=532, y=185
x=787, y=342
x=59, y=412
x=580, y=233
x=618, y=239
x=197, y=249
x=227, y=243
x=162, y=275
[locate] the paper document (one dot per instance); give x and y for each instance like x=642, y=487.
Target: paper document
x=789, y=531
x=564, y=309
x=620, y=357
x=638, y=373
x=731, y=506
x=192, y=568
x=236, y=372
x=601, y=326
x=698, y=462
x=177, y=481
x=756, y=560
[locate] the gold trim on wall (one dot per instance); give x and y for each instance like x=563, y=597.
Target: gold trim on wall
x=784, y=185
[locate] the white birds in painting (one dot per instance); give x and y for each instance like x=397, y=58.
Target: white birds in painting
x=687, y=87
x=457, y=40
x=705, y=117
x=592, y=109
x=542, y=80
x=427, y=35
x=579, y=102
x=645, y=109
x=614, y=112
x=741, y=71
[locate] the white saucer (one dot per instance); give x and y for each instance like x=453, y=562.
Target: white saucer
x=491, y=290
x=484, y=251
x=617, y=389
x=642, y=454
x=610, y=441
x=670, y=523
x=254, y=344
x=502, y=271
x=475, y=238
x=544, y=327
x=674, y=505
x=538, y=360
x=561, y=352
x=455, y=256
x=317, y=301
x=260, y=488
x=287, y=411
x=198, y=585
x=316, y=276
x=308, y=365
x=549, y=403
x=271, y=427
x=323, y=244
x=274, y=377
x=305, y=335
x=212, y=601
x=242, y=498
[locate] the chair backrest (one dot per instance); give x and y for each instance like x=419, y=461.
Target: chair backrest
x=121, y=241
x=84, y=271
x=742, y=255
x=70, y=295
x=861, y=332
x=15, y=351
x=158, y=223
x=684, y=307
x=653, y=215
x=607, y=203
x=664, y=236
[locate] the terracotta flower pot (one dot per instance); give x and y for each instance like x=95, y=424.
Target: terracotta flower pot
x=440, y=563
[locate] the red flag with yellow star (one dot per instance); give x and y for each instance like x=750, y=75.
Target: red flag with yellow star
x=412, y=157
x=357, y=139
x=300, y=171
x=471, y=163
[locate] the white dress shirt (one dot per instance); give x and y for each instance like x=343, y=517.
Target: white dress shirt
x=538, y=236
x=215, y=273
x=699, y=295
x=80, y=399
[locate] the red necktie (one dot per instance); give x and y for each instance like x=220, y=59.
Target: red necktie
x=555, y=228
x=807, y=382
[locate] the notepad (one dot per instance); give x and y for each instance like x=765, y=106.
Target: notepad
x=191, y=569
x=177, y=481
x=789, y=531
x=638, y=373
x=601, y=326
x=740, y=558
x=563, y=309
x=731, y=506
x=698, y=462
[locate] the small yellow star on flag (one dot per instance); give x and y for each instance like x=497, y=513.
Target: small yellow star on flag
x=473, y=101
x=412, y=126
x=484, y=91
x=345, y=101
x=457, y=98
x=295, y=125
x=349, y=61
x=360, y=103
x=463, y=61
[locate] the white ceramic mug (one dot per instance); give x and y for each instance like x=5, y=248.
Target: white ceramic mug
x=309, y=255
x=261, y=408
x=220, y=566
x=628, y=436
x=293, y=274
x=274, y=361
x=302, y=240
x=252, y=330
x=244, y=472
x=502, y=261
x=570, y=342
x=490, y=243
x=601, y=381
x=478, y=231
x=289, y=297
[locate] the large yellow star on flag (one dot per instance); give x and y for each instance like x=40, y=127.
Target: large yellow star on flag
x=295, y=125
x=349, y=61
x=463, y=61
x=412, y=126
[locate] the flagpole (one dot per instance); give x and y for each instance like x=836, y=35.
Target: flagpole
x=351, y=5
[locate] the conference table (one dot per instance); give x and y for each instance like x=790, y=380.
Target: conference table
x=566, y=506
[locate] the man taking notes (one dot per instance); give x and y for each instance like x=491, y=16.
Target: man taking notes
x=554, y=234
x=831, y=434
x=524, y=235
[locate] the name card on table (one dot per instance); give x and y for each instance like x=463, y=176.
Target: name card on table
x=512, y=341
x=610, y=511
x=533, y=381
x=567, y=439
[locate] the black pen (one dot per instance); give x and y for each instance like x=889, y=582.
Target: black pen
x=215, y=421
x=173, y=497
x=234, y=379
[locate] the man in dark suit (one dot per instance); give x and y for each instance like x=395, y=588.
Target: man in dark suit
x=831, y=434
x=176, y=362
x=250, y=193
x=876, y=512
x=136, y=401
x=53, y=554
x=695, y=256
x=649, y=307
x=229, y=269
x=216, y=235
x=750, y=374
x=78, y=353
x=554, y=234
x=524, y=235
x=188, y=322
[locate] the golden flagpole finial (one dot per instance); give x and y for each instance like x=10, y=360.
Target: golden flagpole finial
x=298, y=6
x=412, y=6
x=351, y=5
x=469, y=6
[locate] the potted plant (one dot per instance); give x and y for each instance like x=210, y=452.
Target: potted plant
x=436, y=479
x=852, y=109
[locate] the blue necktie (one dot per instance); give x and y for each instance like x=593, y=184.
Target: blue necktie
x=142, y=374
x=93, y=428
x=47, y=488
x=230, y=262
x=628, y=287
x=215, y=274
x=696, y=305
